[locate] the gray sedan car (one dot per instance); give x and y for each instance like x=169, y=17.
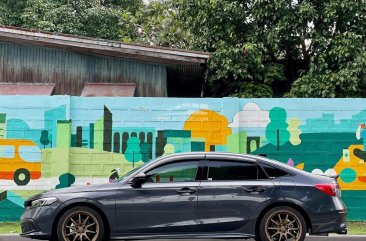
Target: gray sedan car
x=192, y=195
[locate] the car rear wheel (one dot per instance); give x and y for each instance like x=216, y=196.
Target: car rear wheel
x=282, y=224
x=80, y=224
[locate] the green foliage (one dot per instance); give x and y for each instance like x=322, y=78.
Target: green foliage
x=221, y=27
x=155, y=24
x=93, y=18
x=263, y=48
x=238, y=71
x=10, y=11
x=237, y=67
x=326, y=40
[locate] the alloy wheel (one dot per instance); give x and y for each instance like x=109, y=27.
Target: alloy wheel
x=283, y=226
x=80, y=226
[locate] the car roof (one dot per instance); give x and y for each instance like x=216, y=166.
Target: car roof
x=212, y=154
x=250, y=157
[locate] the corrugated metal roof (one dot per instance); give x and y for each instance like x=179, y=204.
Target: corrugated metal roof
x=108, y=89
x=69, y=71
x=102, y=47
x=26, y=89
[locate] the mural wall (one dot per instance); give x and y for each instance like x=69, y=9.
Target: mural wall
x=61, y=141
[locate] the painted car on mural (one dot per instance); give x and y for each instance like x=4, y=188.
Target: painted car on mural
x=195, y=195
x=20, y=160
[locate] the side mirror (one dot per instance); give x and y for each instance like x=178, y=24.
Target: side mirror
x=138, y=180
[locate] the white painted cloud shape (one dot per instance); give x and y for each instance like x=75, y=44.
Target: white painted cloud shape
x=250, y=116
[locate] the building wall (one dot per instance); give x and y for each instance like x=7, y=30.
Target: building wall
x=66, y=141
x=70, y=70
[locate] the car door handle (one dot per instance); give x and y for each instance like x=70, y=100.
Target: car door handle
x=186, y=191
x=254, y=189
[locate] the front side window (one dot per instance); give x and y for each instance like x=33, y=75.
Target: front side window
x=234, y=171
x=185, y=171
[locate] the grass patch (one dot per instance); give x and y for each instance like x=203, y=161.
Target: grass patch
x=356, y=227
x=14, y=227
x=9, y=227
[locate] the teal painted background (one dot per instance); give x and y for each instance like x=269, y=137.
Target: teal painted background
x=61, y=141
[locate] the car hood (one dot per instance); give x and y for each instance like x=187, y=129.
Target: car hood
x=88, y=188
x=68, y=190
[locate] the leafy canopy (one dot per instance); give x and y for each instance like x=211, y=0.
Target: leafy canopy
x=93, y=18
x=262, y=48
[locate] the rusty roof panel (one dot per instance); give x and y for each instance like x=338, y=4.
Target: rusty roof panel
x=109, y=89
x=26, y=89
x=102, y=47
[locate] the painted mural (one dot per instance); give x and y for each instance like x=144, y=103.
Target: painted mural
x=62, y=141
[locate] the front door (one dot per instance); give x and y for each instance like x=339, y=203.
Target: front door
x=166, y=204
x=231, y=195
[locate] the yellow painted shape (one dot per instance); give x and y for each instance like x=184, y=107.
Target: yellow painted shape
x=354, y=163
x=210, y=125
x=9, y=165
x=301, y=166
x=293, y=128
x=168, y=149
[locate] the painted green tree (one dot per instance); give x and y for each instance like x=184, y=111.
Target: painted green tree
x=145, y=151
x=66, y=180
x=50, y=138
x=276, y=131
x=44, y=139
x=133, y=151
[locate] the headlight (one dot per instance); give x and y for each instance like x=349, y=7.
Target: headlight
x=43, y=202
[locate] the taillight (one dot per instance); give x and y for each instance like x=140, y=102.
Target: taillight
x=330, y=189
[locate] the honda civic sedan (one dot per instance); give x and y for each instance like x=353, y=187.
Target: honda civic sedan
x=192, y=195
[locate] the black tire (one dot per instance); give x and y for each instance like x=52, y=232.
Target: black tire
x=80, y=221
x=281, y=222
x=17, y=177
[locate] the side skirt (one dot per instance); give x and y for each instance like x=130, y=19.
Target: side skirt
x=186, y=236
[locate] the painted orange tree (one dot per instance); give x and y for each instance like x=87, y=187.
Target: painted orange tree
x=210, y=125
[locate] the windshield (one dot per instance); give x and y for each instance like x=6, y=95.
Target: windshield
x=30, y=153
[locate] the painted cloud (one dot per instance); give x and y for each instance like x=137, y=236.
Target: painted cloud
x=250, y=116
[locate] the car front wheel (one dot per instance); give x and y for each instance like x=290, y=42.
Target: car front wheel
x=282, y=223
x=80, y=224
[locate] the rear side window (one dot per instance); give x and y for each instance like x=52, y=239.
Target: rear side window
x=234, y=171
x=273, y=172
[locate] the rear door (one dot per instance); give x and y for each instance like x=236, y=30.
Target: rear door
x=230, y=194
